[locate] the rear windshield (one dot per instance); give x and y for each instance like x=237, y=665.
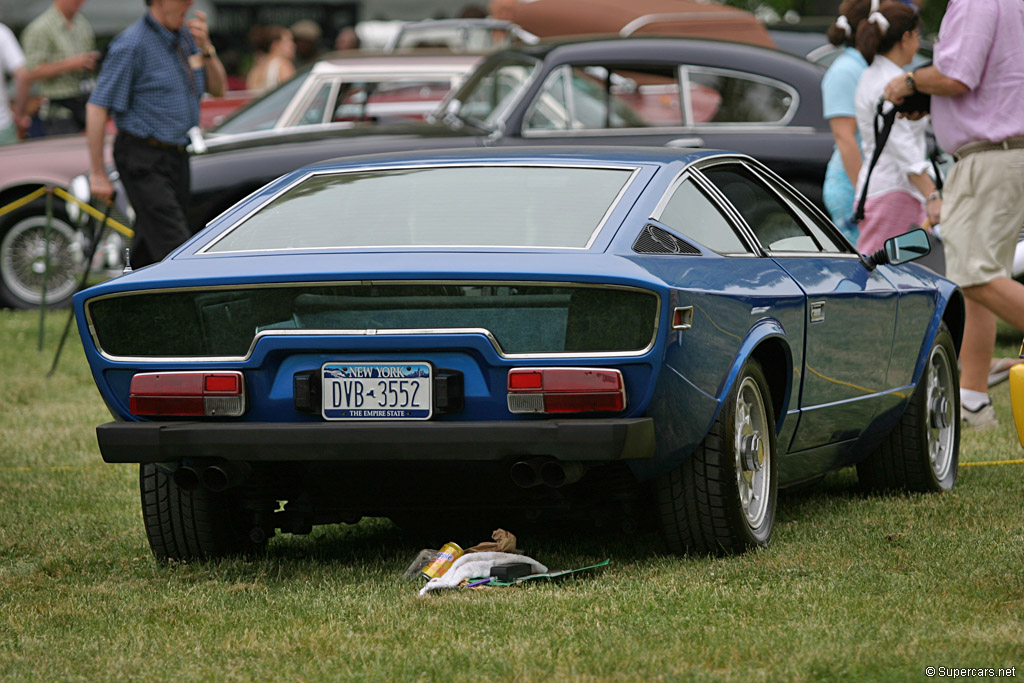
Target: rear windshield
x=449, y=206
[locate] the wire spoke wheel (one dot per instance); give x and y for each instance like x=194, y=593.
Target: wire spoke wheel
x=26, y=261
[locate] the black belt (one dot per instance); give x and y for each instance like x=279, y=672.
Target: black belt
x=985, y=146
x=152, y=142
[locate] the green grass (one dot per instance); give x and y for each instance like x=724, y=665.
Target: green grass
x=852, y=587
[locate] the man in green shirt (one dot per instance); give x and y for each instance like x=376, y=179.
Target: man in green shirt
x=61, y=62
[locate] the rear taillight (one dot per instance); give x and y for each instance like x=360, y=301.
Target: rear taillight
x=565, y=390
x=220, y=394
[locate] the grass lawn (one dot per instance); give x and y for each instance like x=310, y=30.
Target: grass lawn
x=853, y=586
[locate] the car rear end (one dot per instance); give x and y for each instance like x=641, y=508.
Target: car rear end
x=447, y=380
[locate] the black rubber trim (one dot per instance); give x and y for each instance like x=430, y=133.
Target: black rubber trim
x=587, y=440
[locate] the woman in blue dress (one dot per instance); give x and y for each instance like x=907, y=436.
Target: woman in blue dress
x=837, y=94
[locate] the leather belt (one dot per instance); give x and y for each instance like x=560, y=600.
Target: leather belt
x=984, y=146
x=153, y=142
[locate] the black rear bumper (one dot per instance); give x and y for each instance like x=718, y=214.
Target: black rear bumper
x=592, y=441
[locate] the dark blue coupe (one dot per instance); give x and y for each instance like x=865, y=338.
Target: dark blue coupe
x=627, y=334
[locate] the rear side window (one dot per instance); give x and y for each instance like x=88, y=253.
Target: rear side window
x=777, y=225
x=692, y=214
x=409, y=98
x=596, y=97
x=439, y=206
x=721, y=96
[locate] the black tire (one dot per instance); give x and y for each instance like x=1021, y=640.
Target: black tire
x=22, y=249
x=922, y=452
x=190, y=525
x=706, y=504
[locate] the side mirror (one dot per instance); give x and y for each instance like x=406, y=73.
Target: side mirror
x=900, y=249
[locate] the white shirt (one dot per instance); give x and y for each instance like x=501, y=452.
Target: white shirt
x=905, y=151
x=11, y=59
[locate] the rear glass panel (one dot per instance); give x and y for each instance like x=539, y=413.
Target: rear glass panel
x=523, y=318
x=480, y=206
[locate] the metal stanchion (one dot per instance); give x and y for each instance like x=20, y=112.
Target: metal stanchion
x=46, y=263
x=96, y=239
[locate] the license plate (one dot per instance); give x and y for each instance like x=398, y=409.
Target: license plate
x=377, y=391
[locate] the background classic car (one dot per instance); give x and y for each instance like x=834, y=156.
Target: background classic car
x=552, y=330
x=341, y=90
x=672, y=92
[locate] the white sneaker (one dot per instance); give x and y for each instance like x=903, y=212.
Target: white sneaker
x=980, y=419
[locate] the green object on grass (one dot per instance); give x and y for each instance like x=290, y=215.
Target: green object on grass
x=549, y=575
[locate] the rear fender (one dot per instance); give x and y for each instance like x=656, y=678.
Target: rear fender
x=768, y=344
x=683, y=413
x=953, y=315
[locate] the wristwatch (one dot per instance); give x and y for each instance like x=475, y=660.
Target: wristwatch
x=211, y=53
x=910, y=82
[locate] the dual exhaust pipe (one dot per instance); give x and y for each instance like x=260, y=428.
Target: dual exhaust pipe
x=216, y=478
x=545, y=472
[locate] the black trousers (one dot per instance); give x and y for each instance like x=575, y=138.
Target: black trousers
x=157, y=182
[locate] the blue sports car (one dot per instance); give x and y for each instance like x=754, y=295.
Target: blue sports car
x=629, y=334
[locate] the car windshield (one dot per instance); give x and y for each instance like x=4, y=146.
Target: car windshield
x=483, y=100
x=264, y=113
x=442, y=206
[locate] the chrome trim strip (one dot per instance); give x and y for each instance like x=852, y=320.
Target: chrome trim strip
x=671, y=17
x=672, y=130
x=814, y=254
x=686, y=101
x=372, y=332
x=634, y=171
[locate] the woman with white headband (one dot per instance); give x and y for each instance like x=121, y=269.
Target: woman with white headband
x=837, y=89
x=901, y=193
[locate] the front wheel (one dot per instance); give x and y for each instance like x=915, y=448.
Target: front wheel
x=29, y=262
x=922, y=452
x=722, y=499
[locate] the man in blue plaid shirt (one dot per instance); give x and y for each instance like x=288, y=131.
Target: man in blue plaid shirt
x=151, y=80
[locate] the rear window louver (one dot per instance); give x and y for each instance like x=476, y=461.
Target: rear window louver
x=654, y=240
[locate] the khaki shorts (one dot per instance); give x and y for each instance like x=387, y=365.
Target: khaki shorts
x=982, y=216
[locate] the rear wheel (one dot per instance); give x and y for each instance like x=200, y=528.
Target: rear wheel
x=922, y=452
x=190, y=525
x=722, y=499
x=24, y=254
